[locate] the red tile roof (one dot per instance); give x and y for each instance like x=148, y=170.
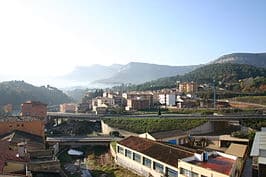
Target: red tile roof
x=7, y=154
x=219, y=164
x=159, y=151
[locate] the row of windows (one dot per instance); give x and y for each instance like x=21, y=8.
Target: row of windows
x=188, y=173
x=18, y=125
x=147, y=162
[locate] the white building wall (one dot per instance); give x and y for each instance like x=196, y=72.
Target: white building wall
x=169, y=99
x=139, y=168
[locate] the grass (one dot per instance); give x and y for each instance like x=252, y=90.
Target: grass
x=153, y=124
x=251, y=99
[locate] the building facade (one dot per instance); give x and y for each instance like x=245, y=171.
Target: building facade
x=149, y=158
x=34, y=109
x=27, y=124
x=187, y=87
x=168, y=99
x=137, y=104
x=68, y=108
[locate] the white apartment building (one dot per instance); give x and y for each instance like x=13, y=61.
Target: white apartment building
x=168, y=99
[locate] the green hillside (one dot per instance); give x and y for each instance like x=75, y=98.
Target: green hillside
x=17, y=92
x=226, y=72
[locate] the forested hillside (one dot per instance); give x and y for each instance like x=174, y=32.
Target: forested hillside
x=17, y=92
x=226, y=72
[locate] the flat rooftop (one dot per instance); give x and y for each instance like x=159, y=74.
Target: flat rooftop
x=216, y=163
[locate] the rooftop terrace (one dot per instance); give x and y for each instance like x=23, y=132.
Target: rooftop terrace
x=216, y=163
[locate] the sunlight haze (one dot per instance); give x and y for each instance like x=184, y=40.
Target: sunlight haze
x=50, y=38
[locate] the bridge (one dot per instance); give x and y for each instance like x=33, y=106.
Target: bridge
x=82, y=140
x=74, y=116
x=92, y=116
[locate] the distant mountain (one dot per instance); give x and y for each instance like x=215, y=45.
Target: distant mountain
x=92, y=73
x=136, y=73
x=224, y=72
x=17, y=92
x=255, y=59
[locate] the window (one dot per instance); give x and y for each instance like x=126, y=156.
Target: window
x=147, y=162
x=171, y=173
x=188, y=173
x=158, y=167
x=128, y=153
x=136, y=157
x=120, y=150
x=193, y=174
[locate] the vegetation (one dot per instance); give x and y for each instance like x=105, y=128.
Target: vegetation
x=254, y=123
x=240, y=134
x=153, y=124
x=251, y=99
x=224, y=73
x=17, y=92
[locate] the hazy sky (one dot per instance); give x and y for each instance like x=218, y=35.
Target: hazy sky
x=43, y=38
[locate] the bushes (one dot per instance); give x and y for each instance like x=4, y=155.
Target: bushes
x=153, y=124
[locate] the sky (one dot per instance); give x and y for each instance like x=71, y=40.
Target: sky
x=42, y=39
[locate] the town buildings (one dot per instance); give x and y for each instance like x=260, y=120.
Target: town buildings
x=22, y=147
x=187, y=87
x=137, y=104
x=140, y=96
x=68, y=107
x=34, y=109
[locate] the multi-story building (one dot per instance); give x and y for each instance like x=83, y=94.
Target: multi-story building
x=99, y=104
x=31, y=125
x=68, y=107
x=187, y=87
x=137, y=104
x=139, y=96
x=8, y=108
x=208, y=164
x=258, y=154
x=150, y=158
x=34, y=109
x=168, y=99
x=118, y=99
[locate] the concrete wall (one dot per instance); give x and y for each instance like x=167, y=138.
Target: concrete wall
x=208, y=127
x=106, y=129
